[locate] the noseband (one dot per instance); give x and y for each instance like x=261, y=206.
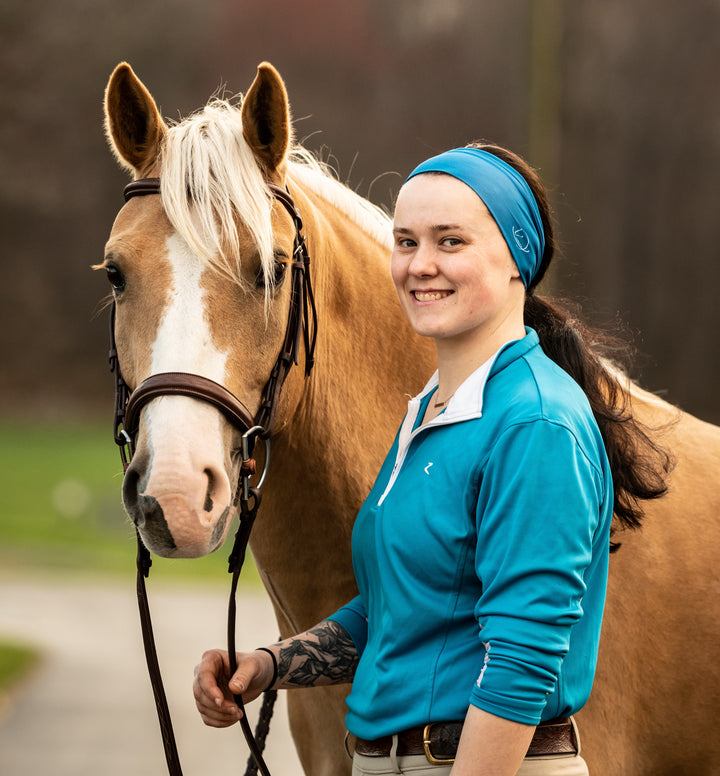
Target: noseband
x=301, y=324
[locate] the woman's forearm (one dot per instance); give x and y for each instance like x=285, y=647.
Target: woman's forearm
x=491, y=745
x=323, y=655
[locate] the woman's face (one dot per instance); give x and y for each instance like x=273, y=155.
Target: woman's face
x=452, y=269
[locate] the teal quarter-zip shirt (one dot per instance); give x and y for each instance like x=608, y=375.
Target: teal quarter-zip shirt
x=481, y=554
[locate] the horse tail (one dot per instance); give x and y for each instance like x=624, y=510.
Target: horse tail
x=639, y=464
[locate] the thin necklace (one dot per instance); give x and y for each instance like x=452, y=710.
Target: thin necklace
x=438, y=404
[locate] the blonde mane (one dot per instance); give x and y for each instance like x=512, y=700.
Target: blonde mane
x=210, y=180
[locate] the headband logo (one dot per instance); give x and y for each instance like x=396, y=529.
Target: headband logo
x=521, y=239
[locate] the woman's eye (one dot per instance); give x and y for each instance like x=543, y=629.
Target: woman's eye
x=452, y=242
x=116, y=277
x=406, y=242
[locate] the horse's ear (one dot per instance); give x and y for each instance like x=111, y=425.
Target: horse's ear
x=266, y=118
x=132, y=121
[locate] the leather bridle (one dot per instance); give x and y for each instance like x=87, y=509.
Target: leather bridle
x=301, y=324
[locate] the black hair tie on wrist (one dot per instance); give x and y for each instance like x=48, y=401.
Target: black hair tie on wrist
x=275, y=667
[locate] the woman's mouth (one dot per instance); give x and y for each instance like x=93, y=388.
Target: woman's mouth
x=430, y=296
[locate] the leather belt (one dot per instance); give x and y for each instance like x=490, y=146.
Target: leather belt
x=438, y=741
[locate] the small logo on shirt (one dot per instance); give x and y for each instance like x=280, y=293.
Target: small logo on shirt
x=427, y=467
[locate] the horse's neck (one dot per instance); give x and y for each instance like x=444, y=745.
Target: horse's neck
x=368, y=359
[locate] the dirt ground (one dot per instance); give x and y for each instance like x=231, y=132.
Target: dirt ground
x=88, y=708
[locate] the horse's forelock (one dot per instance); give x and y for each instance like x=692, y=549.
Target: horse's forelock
x=210, y=179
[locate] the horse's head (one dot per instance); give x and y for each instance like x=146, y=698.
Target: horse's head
x=199, y=280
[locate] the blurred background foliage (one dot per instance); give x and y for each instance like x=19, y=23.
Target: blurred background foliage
x=614, y=102
x=61, y=508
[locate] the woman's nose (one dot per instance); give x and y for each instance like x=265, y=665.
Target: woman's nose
x=423, y=262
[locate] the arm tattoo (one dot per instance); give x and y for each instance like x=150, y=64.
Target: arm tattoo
x=323, y=655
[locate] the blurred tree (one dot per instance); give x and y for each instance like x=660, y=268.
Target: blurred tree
x=610, y=100
x=640, y=165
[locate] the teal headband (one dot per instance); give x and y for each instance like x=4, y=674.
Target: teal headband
x=506, y=195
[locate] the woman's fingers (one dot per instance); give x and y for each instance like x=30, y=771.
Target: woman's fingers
x=213, y=687
x=213, y=699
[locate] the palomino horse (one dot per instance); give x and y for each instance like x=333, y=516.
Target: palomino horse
x=198, y=276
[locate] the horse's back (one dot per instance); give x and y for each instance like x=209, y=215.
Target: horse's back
x=655, y=700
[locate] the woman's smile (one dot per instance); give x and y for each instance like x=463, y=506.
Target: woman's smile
x=431, y=295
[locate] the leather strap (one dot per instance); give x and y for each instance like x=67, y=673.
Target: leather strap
x=184, y=384
x=439, y=741
x=161, y=705
x=141, y=187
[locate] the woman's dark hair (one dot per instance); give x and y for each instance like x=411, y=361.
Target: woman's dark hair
x=639, y=464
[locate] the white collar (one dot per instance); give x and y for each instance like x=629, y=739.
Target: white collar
x=465, y=404
x=467, y=401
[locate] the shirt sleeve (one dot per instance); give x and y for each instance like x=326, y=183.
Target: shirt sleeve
x=353, y=617
x=537, y=512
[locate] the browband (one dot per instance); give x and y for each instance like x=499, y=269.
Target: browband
x=141, y=187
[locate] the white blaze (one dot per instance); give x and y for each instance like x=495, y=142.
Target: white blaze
x=184, y=342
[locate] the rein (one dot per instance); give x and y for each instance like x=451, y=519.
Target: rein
x=301, y=325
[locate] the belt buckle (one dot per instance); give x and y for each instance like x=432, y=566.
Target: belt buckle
x=427, y=743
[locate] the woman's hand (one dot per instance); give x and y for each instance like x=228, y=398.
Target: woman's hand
x=325, y=654
x=214, y=687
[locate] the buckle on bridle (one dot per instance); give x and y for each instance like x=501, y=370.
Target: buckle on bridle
x=247, y=466
x=427, y=744
x=124, y=441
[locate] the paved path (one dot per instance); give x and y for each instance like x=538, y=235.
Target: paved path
x=88, y=709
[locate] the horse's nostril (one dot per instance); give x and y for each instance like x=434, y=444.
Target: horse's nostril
x=130, y=495
x=208, y=505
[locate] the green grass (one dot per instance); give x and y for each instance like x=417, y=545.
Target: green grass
x=16, y=660
x=61, y=507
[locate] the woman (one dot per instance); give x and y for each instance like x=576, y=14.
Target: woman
x=481, y=552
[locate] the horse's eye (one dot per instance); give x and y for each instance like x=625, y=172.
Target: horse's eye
x=279, y=267
x=281, y=263
x=116, y=277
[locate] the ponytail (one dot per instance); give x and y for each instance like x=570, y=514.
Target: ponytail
x=638, y=463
